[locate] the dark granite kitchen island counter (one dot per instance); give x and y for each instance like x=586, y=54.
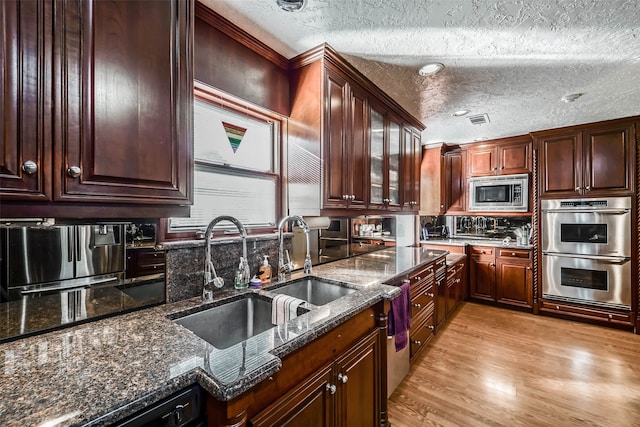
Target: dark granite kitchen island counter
x=96, y=373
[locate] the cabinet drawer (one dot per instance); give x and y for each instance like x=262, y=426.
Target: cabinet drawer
x=482, y=250
x=423, y=301
x=514, y=253
x=421, y=274
x=594, y=313
x=420, y=335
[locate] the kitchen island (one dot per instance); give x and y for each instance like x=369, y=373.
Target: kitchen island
x=96, y=373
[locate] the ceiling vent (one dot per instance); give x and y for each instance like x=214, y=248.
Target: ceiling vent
x=479, y=119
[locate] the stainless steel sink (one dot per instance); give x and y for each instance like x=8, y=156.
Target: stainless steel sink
x=231, y=323
x=314, y=291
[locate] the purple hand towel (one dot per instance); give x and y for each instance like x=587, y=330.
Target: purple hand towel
x=400, y=316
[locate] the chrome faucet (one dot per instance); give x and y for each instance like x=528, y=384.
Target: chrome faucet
x=209, y=272
x=286, y=268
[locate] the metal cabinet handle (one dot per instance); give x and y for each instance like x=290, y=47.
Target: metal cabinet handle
x=417, y=305
x=513, y=254
x=353, y=197
x=431, y=327
x=430, y=294
x=457, y=280
x=577, y=188
x=331, y=388
x=416, y=342
x=74, y=171
x=502, y=167
x=30, y=167
x=588, y=188
x=418, y=278
x=492, y=264
x=343, y=378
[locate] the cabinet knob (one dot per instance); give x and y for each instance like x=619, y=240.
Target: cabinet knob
x=528, y=268
x=353, y=197
x=74, y=171
x=331, y=388
x=492, y=264
x=30, y=167
x=513, y=254
x=417, y=305
x=343, y=378
x=430, y=294
x=577, y=188
x=418, y=343
x=588, y=188
x=441, y=206
x=418, y=278
x=502, y=167
x=431, y=327
x=457, y=280
x=345, y=197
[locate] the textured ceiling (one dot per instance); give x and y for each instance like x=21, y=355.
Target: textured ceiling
x=513, y=60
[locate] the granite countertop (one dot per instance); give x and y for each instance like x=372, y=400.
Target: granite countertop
x=99, y=372
x=454, y=258
x=498, y=243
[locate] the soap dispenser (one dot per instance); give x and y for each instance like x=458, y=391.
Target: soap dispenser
x=242, y=275
x=265, y=270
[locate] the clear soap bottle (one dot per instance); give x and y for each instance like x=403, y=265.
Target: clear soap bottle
x=242, y=275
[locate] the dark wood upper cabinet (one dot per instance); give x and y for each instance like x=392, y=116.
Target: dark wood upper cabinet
x=500, y=157
x=345, y=149
x=25, y=100
x=124, y=109
x=346, y=143
x=455, y=181
x=589, y=160
x=118, y=78
x=411, y=150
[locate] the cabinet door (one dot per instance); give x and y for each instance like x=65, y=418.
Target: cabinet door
x=482, y=278
x=376, y=156
x=311, y=404
x=514, y=282
x=407, y=168
x=356, y=169
x=25, y=100
x=335, y=146
x=394, y=159
x=358, y=382
x=514, y=157
x=608, y=160
x=417, y=151
x=125, y=105
x=482, y=161
x=455, y=181
x=432, y=182
x=560, y=165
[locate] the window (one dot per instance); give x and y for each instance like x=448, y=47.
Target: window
x=237, y=165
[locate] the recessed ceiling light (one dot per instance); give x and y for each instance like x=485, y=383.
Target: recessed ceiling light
x=431, y=69
x=460, y=113
x=570, y=98
x=291, y=5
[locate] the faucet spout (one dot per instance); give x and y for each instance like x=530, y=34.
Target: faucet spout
x=209, y=271
x=285, y=268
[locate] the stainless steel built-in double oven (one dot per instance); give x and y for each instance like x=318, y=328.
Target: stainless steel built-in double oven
x=586, y=251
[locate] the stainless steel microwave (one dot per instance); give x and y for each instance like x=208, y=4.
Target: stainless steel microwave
x=505, y=193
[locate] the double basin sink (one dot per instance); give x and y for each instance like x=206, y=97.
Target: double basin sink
x=234, y=322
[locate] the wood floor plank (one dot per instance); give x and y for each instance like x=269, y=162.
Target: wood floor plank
x=498, y=367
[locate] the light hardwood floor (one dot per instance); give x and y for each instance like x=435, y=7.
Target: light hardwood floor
x=498, y=367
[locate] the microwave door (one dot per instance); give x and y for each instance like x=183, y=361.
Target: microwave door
x=99, y=249
x=39, y=254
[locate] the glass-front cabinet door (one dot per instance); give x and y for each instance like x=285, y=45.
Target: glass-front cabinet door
x=393, y=199
x=377, y=195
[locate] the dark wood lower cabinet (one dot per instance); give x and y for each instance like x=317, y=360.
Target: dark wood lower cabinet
x=339, y=379
x=343, y=393
x=482, y=276
x=311, y=404
x=503, y=275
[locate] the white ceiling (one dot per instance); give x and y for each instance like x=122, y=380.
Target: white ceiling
x=513, y=60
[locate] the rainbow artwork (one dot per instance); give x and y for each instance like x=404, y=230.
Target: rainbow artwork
x=235, y=134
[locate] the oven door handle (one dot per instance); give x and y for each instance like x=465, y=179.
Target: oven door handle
x=610, y=259
x=589, y=211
